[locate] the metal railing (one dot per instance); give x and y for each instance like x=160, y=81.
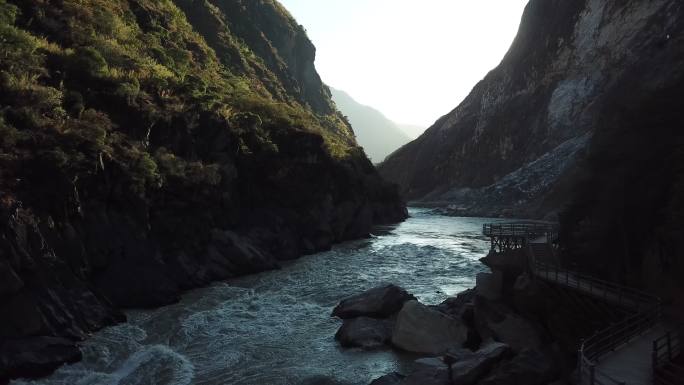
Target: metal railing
x=646, y=308
x=520, y=229
x=598, y=288
x=646, y=311
x=666, y=350
x=605, y=341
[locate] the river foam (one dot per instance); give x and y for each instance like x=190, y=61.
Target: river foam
x=275, y=327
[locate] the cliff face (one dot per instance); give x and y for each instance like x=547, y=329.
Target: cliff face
x=626, y=204
x=511, y=144
x=581, y=118
x=149, y=147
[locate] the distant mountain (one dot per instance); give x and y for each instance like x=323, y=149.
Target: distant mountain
x=412, y=130
x=378, y=135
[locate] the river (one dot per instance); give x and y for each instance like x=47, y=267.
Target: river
x=275, y=327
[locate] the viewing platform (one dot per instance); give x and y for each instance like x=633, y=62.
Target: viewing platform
x=516, y=235
x=636, y=350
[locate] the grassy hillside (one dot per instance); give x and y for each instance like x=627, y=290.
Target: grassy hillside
x=151, y=146
x=96, y=81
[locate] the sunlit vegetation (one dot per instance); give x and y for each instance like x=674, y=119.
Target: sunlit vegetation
x=87, y=85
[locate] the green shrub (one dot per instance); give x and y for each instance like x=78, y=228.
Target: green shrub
x=9, y=136
x=73, y=103
x=169, y=164
x=128, y=91
x=194, y=173
x=141, y=168
x=89, y=61
x=8, y=13
x=198, y=173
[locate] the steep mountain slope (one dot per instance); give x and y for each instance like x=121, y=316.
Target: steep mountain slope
x=147, y=147
x=378, y=135
x=532, y=117
x=627, y=201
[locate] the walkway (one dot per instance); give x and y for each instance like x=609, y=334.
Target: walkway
x=631, y=362
x=621, y=353
x=618, y=355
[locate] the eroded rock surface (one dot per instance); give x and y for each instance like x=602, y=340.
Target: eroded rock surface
x=379, y=302
x=420, y=329
x=364, y=332
x=513, y=146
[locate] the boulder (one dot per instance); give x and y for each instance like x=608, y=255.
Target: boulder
x=420, y=329
x=379, y=302
x=499, y=322
x=512, y=262
x=528, y=297
x=35, y=356
x=460, y=306
x=364, y=332
x=486, y=312
x=428, y=371
x=429, y=363
x=530, y=367
x=490, y=285
x=388, y=379
x=471, y=368
x=517, y=332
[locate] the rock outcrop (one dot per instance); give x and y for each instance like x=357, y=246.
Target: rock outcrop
x=369, y=318
x=491, y=334
x=420, y=329
x=516, y=145
x=151, y=147
x=470, y=367
x=388, y=379
x=379, y=302
x=364, y=332
x=529, y=367
x=35, y=355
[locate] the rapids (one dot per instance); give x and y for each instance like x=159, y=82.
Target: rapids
x=275, y=327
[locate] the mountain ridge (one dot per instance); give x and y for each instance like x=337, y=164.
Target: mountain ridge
x=544, y=93
x=578, y=124
x=377, y=134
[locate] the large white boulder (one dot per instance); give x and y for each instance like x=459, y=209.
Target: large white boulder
x=364, y=332
x=420, y=329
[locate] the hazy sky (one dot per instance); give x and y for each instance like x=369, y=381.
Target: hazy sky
x=414, y=60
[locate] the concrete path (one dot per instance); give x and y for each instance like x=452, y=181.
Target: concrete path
x=628, y=364
x=631, y=363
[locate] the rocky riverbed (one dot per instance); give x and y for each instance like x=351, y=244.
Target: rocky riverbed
x=275, y=327
x=508, y=329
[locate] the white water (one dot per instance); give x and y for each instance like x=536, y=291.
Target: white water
x=275, y=327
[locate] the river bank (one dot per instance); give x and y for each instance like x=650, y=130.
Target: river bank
x=275, y=327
